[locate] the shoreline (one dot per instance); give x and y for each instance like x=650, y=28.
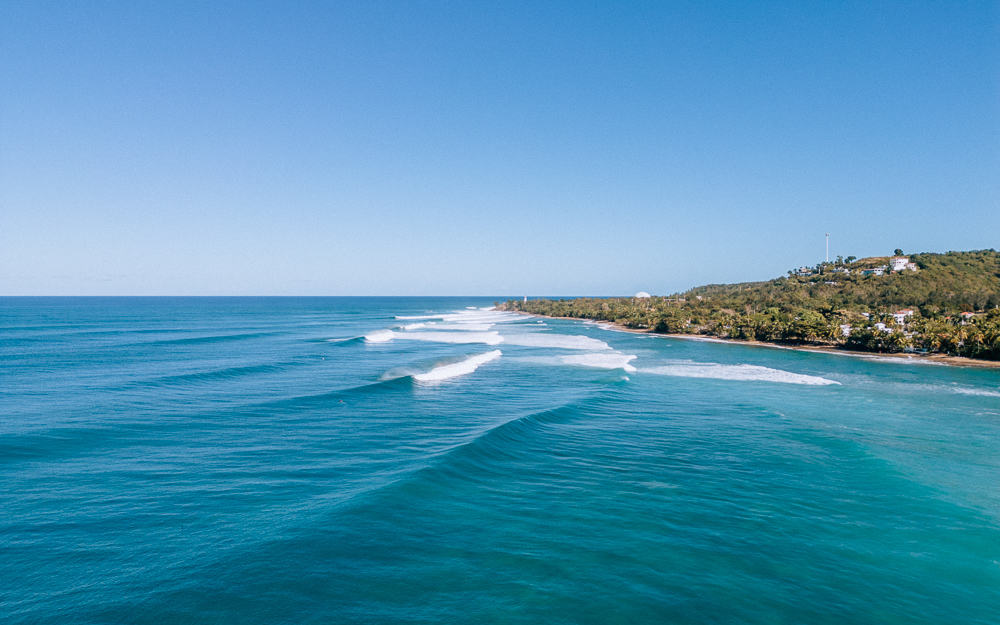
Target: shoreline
x=934, y=358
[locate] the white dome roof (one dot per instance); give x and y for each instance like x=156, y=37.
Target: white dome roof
x=642, y=294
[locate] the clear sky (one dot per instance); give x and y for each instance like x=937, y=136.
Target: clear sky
x=408, y=148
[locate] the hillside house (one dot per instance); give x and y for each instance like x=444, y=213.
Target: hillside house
x=901, y=263
x=901, y=315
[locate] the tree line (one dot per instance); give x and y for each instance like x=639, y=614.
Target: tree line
x=818, y=308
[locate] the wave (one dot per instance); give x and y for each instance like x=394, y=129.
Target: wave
x=464, y=327
x=556, y=341
x=419, y=316
x=414, y=326
x=979, y=392
x=899, y=360
x=601, y=361
x=207, y=376
x=218, y=338
x=455, y=369
x=488, y=338
x=346, y=339
x=380, y=336
x=487, y=316
x=741, y=372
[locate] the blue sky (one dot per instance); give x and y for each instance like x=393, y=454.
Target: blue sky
x=411, y=148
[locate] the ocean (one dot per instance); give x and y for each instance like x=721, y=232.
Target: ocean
x=430, y=460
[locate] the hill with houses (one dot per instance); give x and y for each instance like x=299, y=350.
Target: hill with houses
x=939, y=303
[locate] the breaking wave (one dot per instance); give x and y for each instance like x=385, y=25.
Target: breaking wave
x=601, y=361
x=740, y=372
x=384, y=336
x=556, y=341
x=979, y=392
x=465, y=327
x=380, y=336
x=455, y=369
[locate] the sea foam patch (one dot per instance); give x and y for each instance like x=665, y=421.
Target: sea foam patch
x=380, y=336
x=740, y=372
x=463, y=327
x=455, y=369
x=383, y=336
x=601, y=361
x=555, y=341
x=978, y=392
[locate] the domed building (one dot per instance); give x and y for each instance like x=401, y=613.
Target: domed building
x=642, y=295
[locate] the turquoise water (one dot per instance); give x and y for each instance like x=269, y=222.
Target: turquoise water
x=257, y=460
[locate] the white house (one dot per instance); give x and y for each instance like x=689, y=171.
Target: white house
x=901, y=315
x=642, y=295
x=899, y=263
x=845, y=329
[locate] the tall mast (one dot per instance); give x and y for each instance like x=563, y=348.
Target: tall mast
x=827, y=247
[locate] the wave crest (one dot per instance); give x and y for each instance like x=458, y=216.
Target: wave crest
x=556, y=341
x=741, y=372
x=455, y=369
x=601, y=361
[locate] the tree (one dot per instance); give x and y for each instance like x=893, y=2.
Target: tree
x=897, y=252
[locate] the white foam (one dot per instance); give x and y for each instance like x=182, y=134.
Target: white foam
x=456, y=369
x=489, y=338
x=414, y=326
x=737, y=372
x=463, y=327
x=899, y=360
x=380, y=336
x=980, y=392
x=482, y=316
x=419, y=316
x=601, y=361
x=556, y=341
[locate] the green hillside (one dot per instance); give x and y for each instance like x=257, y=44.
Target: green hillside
x=844, y=303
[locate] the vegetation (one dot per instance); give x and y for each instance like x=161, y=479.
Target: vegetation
x=844, y=303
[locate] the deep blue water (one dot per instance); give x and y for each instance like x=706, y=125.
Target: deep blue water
x=258, y=460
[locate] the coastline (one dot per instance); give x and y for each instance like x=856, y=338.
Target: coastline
x=941, y=359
